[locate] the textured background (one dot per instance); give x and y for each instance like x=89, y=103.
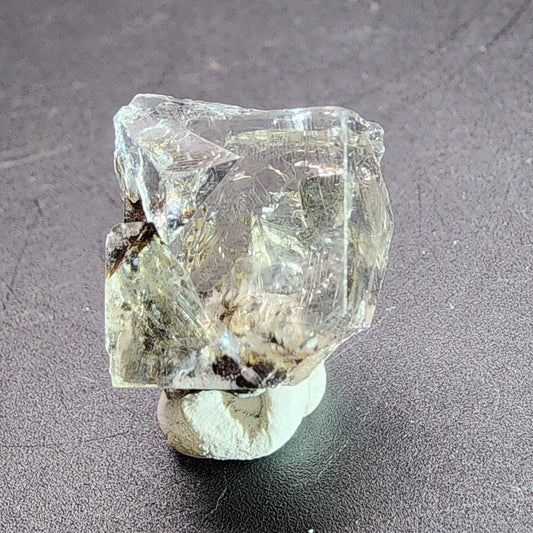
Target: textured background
x=427, y=424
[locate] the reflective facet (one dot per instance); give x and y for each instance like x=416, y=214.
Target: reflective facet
x=264, y=246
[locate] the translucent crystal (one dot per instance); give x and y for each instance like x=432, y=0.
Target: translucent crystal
x=264, y=246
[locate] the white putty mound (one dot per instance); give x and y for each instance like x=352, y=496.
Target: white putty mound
x=221, y=425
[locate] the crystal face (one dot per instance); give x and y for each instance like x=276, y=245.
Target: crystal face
x=254, y=242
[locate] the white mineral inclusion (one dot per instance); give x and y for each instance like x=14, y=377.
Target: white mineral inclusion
x=221, y=425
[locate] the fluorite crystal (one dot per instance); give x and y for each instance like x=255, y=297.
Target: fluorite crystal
x=254, y=242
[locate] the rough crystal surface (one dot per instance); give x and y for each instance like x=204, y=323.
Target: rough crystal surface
x=264, y=244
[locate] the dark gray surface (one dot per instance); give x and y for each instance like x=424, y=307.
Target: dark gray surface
x=427, y=424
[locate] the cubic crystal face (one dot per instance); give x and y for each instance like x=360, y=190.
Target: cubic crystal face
x=260, y=247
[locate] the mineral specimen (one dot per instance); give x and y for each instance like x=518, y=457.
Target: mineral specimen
x=254, y=244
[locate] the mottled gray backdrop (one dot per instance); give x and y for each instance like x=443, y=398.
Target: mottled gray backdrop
x=427, y=424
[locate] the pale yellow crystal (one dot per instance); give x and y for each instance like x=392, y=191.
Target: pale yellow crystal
x=274, y=263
